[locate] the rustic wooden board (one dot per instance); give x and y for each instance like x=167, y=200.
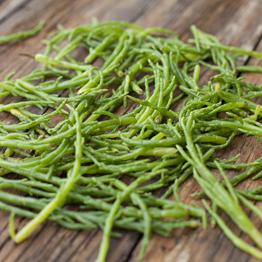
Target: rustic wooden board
x=237, y=22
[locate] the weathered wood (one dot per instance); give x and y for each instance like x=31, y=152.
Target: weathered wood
x=235, y=22
x=9, y=8
x=239, y=25
x=53, y=243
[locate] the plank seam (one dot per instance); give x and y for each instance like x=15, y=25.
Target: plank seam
x=259, y=39
x=14, y=10
x=130, y=253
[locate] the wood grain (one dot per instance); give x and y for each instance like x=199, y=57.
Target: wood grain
x=233, y=22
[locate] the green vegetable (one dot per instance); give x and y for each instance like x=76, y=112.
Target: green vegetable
x=6, y=39
x=114, y=123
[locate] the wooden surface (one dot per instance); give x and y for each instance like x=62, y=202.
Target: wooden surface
x=237, y=22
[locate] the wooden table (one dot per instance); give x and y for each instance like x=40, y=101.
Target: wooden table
x=236, y=22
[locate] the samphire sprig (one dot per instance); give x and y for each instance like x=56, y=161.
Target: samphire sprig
x=116, y=120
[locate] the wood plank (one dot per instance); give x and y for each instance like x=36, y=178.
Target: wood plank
x=241, y=26
x=163, y=19
x=9, y=8
x=53, y=243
